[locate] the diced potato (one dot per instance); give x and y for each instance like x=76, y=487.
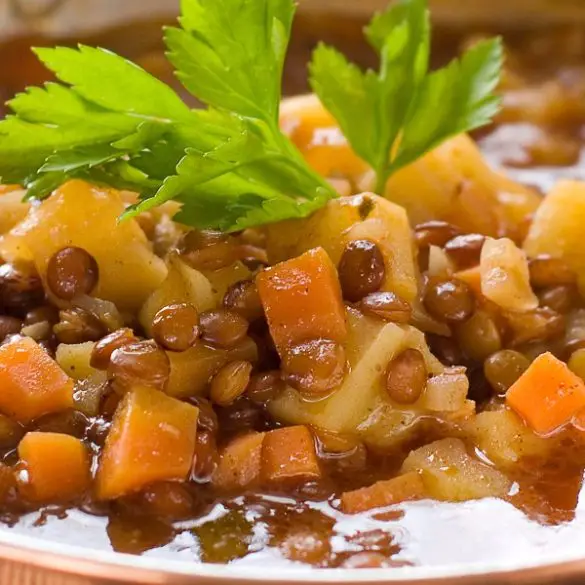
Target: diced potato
x=193, y=369
x=454, y=183
x=316, y=134
x=152, y=439
x=403, y=488
x=183, y=284
x=504, y=276
x=446, y=392
x=289, y=454
x=57, y=467
x=345, y=219
x=79, y=214
x=31, y=382
x=505, y=439
x=371, y=344
x=12, y=209
x=557, y=228
x=223, y=278
x=74, y=359
x=240, y=463
x=450, y=473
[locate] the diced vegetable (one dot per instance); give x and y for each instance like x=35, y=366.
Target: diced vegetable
x=557, y=228
x=12, y=208
x=288, y=454
x=128, y=270
x=316, y=134
x=240, y=463
x=152, y=439
x=345, y=219
x=302, y=300
x=505, y=439
x=504, y=276
x=472, y=277
x=403, y=488
x=74, y=359
x=547, y=395
x=57, y=467
x=183, y=284
x=31, y=382
x=450, y=473
x=446, y=392
x=454, y=183
x=192, y=370
x=223, y=278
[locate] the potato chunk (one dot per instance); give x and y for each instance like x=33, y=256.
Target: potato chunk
x=450, y=473
x=79, y=214
x=557, y=228
x=346, y=219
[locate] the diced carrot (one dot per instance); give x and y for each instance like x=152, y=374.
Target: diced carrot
x=405, y=487
x=240, y=463
x=57, y=467
x=152, y=439
x=547, y=395
x=302, y=300
x=471, y=277
x=289, y=454
x=31, y=382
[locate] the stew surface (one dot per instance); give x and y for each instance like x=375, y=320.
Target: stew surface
x=395, y=380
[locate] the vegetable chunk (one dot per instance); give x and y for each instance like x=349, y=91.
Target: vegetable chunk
x=31, y=382
x=86, y=216
x=302, y=300
x=57, y=467
x=405, y=487
x=240, y=462
x=449, y=473
x=547, y=395
x=152, y=439
x=289, y=454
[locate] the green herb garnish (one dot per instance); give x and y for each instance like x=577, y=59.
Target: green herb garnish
x=231, y=167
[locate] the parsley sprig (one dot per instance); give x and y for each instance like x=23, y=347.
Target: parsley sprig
x=108, y=121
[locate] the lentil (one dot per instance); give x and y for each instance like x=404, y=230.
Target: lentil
x=406, y=377
x=72, y=271
x=176, y=327
x=230, y=382
x=361, y=269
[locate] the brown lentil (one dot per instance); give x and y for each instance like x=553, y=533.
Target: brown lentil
x=103, y=349
x=241, y=415
x=503, y=368
x=315, y=367
x=265, y=386
x=449, y=300
x=406, y=377
x=9, y=326
x=386, y=305
x=243, y=298
x=434, y=233
x=539, y=325
x=206, y=457
x=77, y=325
x=44, y=313
x=445, y=349
x=20, y=287
x=230, y=382
x=547, y=271
x=223, y=328
x=576, y=363
x=142, y=363
x=465, y=250
x=176, y=327
x=361, y=269
x=68, y=422
x=479, y=336
x=72, y=271
x=208, y=250
x=207, y=419
x=560, y=298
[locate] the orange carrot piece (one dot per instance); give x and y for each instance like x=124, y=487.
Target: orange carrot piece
x=302, y=300
x=471, y=277
x=240, y=463
x=289, y=454
x=152, y=439
x=403, y=488
x=57, y=467
x=547, y=395
x=31, y=382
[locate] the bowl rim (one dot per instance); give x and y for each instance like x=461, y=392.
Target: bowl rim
x=109, y=566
